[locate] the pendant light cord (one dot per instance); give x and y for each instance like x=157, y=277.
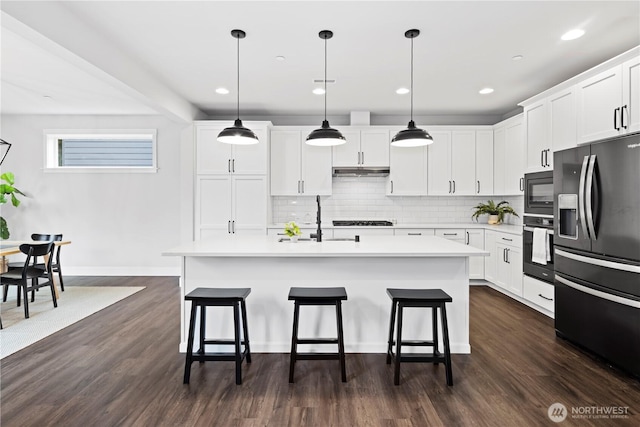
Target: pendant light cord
x=325, y=79
x=238, y=79
x=411, y=79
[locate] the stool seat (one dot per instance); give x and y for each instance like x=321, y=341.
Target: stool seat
x=317, y=296
x=425, y=298
x=218, y=297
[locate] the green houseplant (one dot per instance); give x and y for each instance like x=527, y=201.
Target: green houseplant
x=8, y=192
x=496, y=212
x=292, y=230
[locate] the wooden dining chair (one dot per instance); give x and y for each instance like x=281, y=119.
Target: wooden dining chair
x=30, y=277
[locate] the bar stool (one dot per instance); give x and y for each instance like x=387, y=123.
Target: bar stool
x=317, y=296
x=218, y=297
x=429, y=298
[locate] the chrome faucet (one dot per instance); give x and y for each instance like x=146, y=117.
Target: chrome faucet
x=318, y=234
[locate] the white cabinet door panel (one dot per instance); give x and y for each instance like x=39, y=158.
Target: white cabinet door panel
x=347, y=154
x=408, y=176
x=285, y=163
x=499, y=161
x=213, y=157
x=439, y=161
x=463, y=162
x=213, y=204
x=316, y=170
x=251, y=159
x=515, y=153
x=484, y=162
x=562, y=121
x=631, y=94
x=598, y=98
x=537, y=140
x=249, y=203
x=374, y=147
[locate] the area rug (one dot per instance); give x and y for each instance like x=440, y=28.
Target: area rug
x=75, y=303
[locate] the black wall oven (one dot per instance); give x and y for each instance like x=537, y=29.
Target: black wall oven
x=538, y=193
x=542, y=272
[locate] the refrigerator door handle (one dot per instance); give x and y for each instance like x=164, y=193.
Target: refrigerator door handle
x=581, y=214
x=599, y=262
x=597, y=293
x=588, y=193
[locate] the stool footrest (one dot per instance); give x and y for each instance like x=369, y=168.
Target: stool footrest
x=415, y=343
x=317, y=340
x=209, y=357
x=221, y=342
x=420, y=357
x=318, y=356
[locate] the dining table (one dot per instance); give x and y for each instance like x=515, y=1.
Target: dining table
x=12, y=247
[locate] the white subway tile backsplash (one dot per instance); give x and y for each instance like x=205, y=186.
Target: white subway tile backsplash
x=364, y=198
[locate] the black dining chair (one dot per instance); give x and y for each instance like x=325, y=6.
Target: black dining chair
x=30, y=277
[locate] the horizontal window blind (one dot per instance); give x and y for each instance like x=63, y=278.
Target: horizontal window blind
x=106, y=152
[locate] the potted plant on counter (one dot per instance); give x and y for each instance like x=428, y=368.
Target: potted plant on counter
x=292, y=230
x=496, y=212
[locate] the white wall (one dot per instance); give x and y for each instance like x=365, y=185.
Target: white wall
x=118, y=223
x=364, y=198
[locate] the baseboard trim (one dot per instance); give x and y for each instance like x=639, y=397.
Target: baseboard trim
x=121, y=271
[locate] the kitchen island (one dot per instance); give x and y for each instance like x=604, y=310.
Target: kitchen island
x=365, y=268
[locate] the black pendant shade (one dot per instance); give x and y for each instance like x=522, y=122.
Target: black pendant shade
x=412, y=136
x=326, y=136
x=5, y=146
x=238, y=134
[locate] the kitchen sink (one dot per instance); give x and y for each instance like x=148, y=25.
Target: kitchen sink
x=286, y=239
x=341, y=239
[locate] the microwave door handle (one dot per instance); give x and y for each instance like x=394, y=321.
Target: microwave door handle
x=588, y=194
x=581, y=214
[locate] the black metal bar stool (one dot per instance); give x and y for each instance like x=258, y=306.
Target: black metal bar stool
x=218, y=297
x=317, y=296
x=429, y=298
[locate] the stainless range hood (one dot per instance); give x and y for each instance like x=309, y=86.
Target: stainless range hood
x=360, y=171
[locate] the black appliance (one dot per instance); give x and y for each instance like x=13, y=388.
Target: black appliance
x=361, y=223
x=597, y=249
x=542, y=272
x=538, y=193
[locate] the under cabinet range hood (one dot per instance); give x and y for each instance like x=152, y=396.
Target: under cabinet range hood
x=361, y=171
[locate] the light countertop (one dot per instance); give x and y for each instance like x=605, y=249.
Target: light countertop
x=503, y=228
x=369, y=246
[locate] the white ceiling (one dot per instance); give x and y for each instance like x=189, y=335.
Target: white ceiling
x=149, y=57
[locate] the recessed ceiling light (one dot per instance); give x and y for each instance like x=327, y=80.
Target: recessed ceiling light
x=486, y=90
x=318, y=91
x=517, y=57
x=280, y=58
x=222, y=91
x=402, y=91
x=573, y=34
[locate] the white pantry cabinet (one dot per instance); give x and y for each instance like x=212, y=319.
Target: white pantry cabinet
x=297, y=168
x=235, y=204
x=408, y=171
x=607, y=103
x=509, y=154
x=364, y=147
x=214, y=157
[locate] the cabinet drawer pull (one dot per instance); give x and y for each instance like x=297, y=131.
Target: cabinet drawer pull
x=615, y=119
x=391, y=186
x=454, y=186
x=478, y=192
x=229, y=166
x=450, y=234
x=362, y=157
x=414, y=234
x=467, y=238
x=233, y=165
x=302, y=186
x=624, y=107
x=508, y=240
x=449, y=187
x=542, y=158
x=543, y=297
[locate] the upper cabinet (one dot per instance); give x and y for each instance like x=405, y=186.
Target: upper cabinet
x=214, y=157
x=484, y=162
x=408, y=171
x=364, y=147
x=297, y=168
x=607, y=103
x=509, y=157
x=539, y=155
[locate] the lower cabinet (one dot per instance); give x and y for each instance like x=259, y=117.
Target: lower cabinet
x=418, y=232
x=538, y=292
x=351, y=232
x=508, y=258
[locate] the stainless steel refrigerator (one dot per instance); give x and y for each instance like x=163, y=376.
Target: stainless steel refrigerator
x=597, y=249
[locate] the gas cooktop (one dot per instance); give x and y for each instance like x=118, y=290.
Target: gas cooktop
x=359, y=223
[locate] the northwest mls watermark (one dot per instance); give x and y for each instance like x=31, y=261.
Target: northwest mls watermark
x=557, y=412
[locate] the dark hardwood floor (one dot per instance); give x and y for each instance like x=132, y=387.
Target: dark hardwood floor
x=121, y=366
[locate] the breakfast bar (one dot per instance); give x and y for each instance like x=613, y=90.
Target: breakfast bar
x=270, y=266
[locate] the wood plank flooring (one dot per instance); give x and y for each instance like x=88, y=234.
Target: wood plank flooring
x=121, y=367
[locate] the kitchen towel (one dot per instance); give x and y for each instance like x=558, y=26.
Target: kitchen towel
x=540, y=252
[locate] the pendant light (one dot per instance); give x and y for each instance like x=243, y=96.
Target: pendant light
x=238, y=134
x=325, y=136
x=5, y=149
x=412, y=136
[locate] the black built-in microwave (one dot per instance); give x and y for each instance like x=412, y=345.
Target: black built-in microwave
x=538, y=193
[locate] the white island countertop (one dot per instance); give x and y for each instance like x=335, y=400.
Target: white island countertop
x=369, y=246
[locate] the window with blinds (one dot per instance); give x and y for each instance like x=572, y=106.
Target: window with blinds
x=101, y=150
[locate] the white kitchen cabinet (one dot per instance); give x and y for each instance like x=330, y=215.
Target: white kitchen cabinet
x=509, y=154
x=439, y=164
x=226, y=205
x=484, y=162
x=463, y=162
x=350, y=232
x=509, y=263
x=297, y=168
x=607, y=103
x=214, y=157
x=475, y=238
x=408, y=171
x=538, y=148
x=539, y=293
x=490, y=261
x=561, y=110
x=364, y=147
x=418, y=232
